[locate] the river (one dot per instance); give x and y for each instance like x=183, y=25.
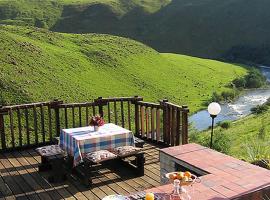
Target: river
x=233, y=111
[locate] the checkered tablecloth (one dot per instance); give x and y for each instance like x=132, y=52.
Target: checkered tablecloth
x=79, y=141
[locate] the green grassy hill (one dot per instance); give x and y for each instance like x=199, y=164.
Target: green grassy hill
x=38, y=65
x=234, y=29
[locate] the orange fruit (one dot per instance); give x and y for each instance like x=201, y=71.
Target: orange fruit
x=171, y=176
x=149, y=196
x=180, y=175
x=187, y=174
x=174, y=176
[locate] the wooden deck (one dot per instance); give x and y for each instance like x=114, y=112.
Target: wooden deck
x=20, y=179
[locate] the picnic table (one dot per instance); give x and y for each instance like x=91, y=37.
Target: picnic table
x=77, y=142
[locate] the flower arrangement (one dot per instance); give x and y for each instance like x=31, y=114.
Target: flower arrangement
x=96, y=121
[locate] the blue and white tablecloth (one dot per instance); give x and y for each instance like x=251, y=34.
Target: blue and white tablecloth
x=77, y=142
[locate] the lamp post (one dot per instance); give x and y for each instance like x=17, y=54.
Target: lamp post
x=213, y=109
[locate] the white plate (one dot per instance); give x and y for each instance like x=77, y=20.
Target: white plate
x=114, y=197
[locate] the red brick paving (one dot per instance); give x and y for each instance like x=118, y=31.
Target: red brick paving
x=228, y=178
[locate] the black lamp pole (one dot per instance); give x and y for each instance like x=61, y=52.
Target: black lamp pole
x=212, y=132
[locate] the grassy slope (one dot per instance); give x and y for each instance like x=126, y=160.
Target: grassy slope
x=39, y=65
x=183, y=26
x=245, y=131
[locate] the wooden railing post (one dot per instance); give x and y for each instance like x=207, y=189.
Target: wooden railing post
x=165, y=120
x=100, y=108
x=178, y=132
x=137, y=117
x=55, y=106
x=185, y=124
x=2, y=129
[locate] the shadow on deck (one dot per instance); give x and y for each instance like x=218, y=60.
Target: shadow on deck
x=20, y=178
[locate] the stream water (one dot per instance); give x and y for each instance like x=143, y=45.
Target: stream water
x=235, y=110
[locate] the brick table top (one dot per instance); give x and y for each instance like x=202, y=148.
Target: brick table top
x=226, y=177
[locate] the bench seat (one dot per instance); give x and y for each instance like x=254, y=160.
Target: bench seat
x=100, y=156
x=52, y=159
x=120, y=153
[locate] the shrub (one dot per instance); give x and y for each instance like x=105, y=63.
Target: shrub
x=225, y=124
x=224, y=96
x=254, y=79
x=258, y=151
x=259, y=109
x=216, y=97
x=221, y=141
x=262, y=131
x=228, y=95
x=40, y=23
x=2, y=99
x=240, y=82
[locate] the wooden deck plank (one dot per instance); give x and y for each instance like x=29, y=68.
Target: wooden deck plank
x=65, y=191
x=88, y=193
x=31, y=169
x=104, y=187
x=27, y=178
x=122, y=184
x=5, y=190
x=114, y=181
x=17, y=186
x=32, y=162
x=20, y=179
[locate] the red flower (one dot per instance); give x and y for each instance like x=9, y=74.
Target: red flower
x=96, y=121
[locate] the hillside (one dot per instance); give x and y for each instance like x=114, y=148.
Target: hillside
x=38, y=65
x=237, y=30
x=251, y=131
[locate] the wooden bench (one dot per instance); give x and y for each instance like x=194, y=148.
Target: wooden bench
x=89, y=163
x=52, y=160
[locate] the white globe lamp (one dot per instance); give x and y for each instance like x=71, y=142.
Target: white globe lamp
x=213, y=109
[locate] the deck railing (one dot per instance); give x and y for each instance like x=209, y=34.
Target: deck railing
x=35, y=124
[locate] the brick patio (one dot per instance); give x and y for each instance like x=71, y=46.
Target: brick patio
x=223, y=177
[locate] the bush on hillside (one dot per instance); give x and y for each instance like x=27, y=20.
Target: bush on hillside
x=258, y=151
x=240, y=82
x=225, y=124
x=262, y=131
x=254, y=79
x=221, y=141
x=259, y=109
x=194, y=135
x=2, y=99
x=216, y=97
x=228, y=95
x=224, y=96
x=41, y=23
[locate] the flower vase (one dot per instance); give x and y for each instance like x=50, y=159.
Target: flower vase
x=96, y=128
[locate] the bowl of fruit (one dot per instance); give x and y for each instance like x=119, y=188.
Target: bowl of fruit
x=185, y=178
